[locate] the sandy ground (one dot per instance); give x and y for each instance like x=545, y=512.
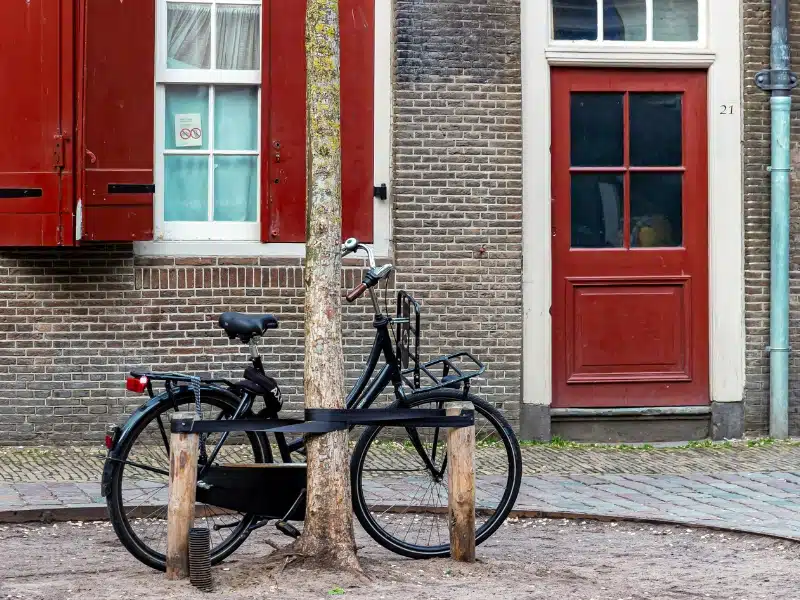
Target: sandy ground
x=525, y=559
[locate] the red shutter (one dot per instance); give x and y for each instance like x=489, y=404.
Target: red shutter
x=284, y=143
x=357, y=50
x=284, y=109
x=36, y=122
x=118, y=114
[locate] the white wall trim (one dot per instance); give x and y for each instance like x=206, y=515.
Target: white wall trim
x=726, y=204
x=723, y=58
x=382, y=221
x=536, y=206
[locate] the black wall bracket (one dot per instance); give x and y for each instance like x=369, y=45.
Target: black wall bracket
x=380, y=191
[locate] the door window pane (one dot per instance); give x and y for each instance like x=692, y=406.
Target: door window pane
x=238, y=37
x=656, y=209
x=188, y=35
x=625, y=20
x=574, y=19
x=596, y=130
x=597, y=210
x=235, y=187
x=185, y=188
x=656, y=132
x=186, y=106
x=675, y=20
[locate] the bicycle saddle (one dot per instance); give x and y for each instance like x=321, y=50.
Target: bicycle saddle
x=244, y=325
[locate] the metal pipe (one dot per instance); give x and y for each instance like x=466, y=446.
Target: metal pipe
x=779, y=80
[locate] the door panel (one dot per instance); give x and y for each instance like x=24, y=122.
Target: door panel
x=630, y=249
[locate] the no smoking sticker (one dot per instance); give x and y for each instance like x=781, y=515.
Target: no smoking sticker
x=188, y=130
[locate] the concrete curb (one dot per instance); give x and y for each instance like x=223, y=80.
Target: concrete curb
x=99, y=512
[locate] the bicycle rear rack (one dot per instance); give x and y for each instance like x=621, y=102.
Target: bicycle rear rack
x=408, y=339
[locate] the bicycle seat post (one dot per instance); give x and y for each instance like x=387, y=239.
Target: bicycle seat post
x=254, y=349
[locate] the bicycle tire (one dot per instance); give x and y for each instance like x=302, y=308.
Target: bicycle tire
x=371, y=524
x=119, y=519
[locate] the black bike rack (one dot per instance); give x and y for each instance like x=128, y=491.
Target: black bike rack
x=277, y=490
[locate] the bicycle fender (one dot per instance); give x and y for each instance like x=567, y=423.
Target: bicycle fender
x=141, y=414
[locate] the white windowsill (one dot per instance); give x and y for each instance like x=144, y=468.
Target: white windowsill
x=204, y=249
x=594, y=55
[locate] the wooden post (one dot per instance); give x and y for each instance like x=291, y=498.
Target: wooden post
x=182, y=492
x=461, y=486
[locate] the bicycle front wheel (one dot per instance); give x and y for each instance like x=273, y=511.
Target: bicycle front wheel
x=399, y=479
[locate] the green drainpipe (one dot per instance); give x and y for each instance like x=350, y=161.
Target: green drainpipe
x=779, y=81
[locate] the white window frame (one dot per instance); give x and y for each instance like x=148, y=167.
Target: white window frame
x=647, y=44
x=382, y=164
x=209, y=230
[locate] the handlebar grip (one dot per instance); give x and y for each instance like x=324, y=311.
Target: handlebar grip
x=356, y=292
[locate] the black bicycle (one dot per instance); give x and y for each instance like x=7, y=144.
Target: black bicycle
x=398, y=474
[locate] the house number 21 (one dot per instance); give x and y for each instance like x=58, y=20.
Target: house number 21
x=726, y=109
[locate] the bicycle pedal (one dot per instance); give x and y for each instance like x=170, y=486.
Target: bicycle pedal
x=287, y=529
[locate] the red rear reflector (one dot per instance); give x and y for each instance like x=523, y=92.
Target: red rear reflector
x=138, y=385
x=109, y=442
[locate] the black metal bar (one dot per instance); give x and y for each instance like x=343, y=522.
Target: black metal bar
x=131, y=188
x=327, y=420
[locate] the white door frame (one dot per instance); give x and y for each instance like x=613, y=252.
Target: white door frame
x=722, y=56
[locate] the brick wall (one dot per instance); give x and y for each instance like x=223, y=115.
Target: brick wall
x=457, y=179
x=756, y=25
x=74, y=321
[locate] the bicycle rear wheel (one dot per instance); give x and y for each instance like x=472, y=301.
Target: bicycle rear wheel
x=402, y=503
x=140, y=481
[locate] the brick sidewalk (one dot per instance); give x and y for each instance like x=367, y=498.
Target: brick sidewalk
x=754, y=489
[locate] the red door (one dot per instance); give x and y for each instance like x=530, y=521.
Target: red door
x=36, y=122
x=630, y=238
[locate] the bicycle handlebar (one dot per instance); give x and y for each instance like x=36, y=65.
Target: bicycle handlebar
x=373, y=275
x=356, y=292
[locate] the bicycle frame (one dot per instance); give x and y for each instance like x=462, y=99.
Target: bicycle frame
x=363, y=393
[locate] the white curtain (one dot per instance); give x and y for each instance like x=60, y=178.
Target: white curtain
x=238, y=37
x=188, y=36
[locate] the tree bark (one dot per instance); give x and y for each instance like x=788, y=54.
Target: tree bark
x=328, y=532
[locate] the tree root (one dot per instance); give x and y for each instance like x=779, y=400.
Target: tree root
x=316, y=554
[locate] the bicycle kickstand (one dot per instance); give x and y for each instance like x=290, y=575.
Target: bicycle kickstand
x=284, y=526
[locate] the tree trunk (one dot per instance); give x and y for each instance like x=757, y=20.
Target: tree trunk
x=328, y=532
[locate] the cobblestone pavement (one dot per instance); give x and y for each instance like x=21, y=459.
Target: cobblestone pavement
x=755, y=489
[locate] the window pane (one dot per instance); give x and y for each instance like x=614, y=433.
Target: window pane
x=185, y=188
x=596, y=127
x=186, y=117
x=656, y=135
x=675, y=20
x=624, y=20
x=188, y=36
x=597, y=211
x=236, y=118
x=656, y=209
x=235, y=188
x=574, y=19
x=238, y=37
